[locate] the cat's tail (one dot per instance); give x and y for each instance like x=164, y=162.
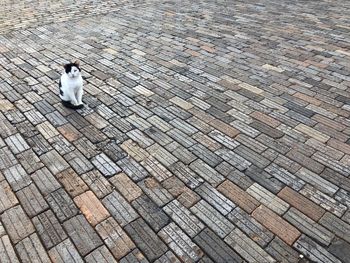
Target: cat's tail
x=71, y=106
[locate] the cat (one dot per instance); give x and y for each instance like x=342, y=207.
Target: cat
x=71, y=86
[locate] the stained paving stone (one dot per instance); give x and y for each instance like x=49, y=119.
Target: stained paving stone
x=282, y=252
x=133, y=169
x=340, y=249
x=62, y=205
x=7, y=197
x=17, y=177
x=184, y=218
x=119, y=208
x=212, y=218
x=134, y=256
x=313, y=251
x=171, y=110
x=155, y=191
x=148, y=242
x=180, y=243
x=115, y=238
x=151, y=212
x=17, y=224
x=100, y=254
x=45, y=181
x=91, y=207
x=247, y=248
x=30, y=249
x=97, y=183
x=31, y=200
x=82, y=234
x=8, y=254
x=49, y=229
x=250, y=227
x=65, y=252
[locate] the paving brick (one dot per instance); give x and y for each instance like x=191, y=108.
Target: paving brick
x=303, y=204
x=105, y=165
x=54, y=162
x=331, y=163
x=133, y=169
x=282, y=252
x=45, y=181
x=100, y=254
x=162, y=155
x=246, y=247
x=238, y=196
x=31, y=200
x=82, y=234
x=308, y=226
x=155, y=191
x=268, y=199
x=16, y=143
x=206, y=172
x=168, y=257
x=17, y=177
x=119, y=208
x=340, y=249
x=215, y=198
x=313, y=251
x=276, y=224
x=175, y=186
x=134, y=256
x=97, y=183
x=62, y=205
x=156, y=169
x=72, y=183
x=7, y=197
x=65, y=252
x=30, y=249
x=17, y=224
x=148, y=242
x=115, y=238
x=47, y=130
x=285, y=177
x=336, y=225
x=264, y=179
x=185, y=174
x=184, y=218
x=150, y=212
x=188, y=198
x=180, y=243
x=49, y=229
x=8, y=254
x=323, y=200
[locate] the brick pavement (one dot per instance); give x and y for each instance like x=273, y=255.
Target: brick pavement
x=215, y=132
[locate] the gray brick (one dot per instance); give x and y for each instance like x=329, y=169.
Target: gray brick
x=206, y=172
x=65, y=252
x=105, y=165
x=133, y=169
x=155, y=191
x=184, y=218
x=119, y=208
x=282, y=252
x=7, y=197
x=8, y=254
x=100, y=255
x=145, y=239
x=336, y=225
x=180, y=243
x=82, y=234
x=234, y=159
x=285, y=177
x=45, y=181
x=17, y=177
x=31, y=200
x=30, y=249
x=185, y=174
x=97, y=183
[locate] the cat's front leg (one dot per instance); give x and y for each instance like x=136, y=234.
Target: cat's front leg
x=80, y=96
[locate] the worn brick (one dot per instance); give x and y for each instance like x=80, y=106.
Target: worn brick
x=7, y=197
x=276, y=224
x=30, y=249
x=115, y=238
x=282, y=252
x=31, y=200
x=8, y=254
x=65, y=252
x=100, y=255
x=97, y=183
x=17, y=177
x=155, y=191
x=45, y=181
x=336, y=225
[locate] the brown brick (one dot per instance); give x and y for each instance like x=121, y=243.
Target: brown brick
x=301, y=203
x=225, y=128
x=188, y=198
x=69, y=132
x=305, y=161
x=73, y=184
x=174, y=185
x=126, y=186
x=328, y=122
x=91, y=207
x=307, y=98
x=238, y=196
x=265, y=119
x=343, y=147
x=276, y=224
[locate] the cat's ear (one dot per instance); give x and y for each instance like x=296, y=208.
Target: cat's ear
x=77, y=62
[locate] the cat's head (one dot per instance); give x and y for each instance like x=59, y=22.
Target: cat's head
x=72, y=69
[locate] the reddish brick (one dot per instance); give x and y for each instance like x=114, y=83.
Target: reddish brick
x=307, y=98
x=126, y=186
x=225, y=128
x=301, y=203
x=72, y=182
x=276, y=224
x=91, y=207
x=69, y=132
x=238, y=196
x=265, y=119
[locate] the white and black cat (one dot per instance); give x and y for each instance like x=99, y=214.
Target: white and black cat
x=71, y=86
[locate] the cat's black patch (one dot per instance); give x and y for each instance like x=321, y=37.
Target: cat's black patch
x=68, y=67
x=71, y=106
x=60, y=86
